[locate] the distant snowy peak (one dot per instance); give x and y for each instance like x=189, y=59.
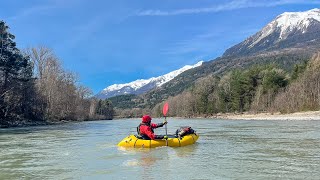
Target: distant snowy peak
x=300, y=20
x=159, y=80
x=168, y=77
x=289, y=21
x=134, y=85
x=290, y=29
x=143, y=85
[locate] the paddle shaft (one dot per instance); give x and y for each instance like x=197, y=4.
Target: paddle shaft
x=165, y=118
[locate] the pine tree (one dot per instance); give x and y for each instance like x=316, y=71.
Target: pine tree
x=15, y=74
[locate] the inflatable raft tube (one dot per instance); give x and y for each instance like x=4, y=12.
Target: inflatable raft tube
x=133, y=141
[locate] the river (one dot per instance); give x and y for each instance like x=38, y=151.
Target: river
x=226, y=149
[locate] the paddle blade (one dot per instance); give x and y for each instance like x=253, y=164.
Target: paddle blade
x=165, y=109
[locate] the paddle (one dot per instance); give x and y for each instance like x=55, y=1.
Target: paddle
x=165, y=111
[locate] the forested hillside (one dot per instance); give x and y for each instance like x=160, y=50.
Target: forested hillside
x=219, y=67
x=263, y=88
x=285, y=60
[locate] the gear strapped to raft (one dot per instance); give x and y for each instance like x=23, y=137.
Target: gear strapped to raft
x=184, y=130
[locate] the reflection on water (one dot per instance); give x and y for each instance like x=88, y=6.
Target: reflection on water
x=225, y=150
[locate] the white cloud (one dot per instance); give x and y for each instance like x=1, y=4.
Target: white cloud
x=232, y=5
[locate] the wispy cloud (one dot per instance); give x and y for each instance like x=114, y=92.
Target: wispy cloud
x=39, y=9
x=232, y=5
x=31, y=10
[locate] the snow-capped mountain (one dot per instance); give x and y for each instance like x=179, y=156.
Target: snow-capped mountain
x=142, y=85
x=288, y=30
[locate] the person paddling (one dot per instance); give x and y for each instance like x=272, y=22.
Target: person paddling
x=145, y=129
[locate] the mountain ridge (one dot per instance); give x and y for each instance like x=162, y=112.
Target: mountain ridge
x=141, y=86
x=288, y=30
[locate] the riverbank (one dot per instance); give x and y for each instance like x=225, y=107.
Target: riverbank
x=308, y=115
x=22, y=123
x=27, y=123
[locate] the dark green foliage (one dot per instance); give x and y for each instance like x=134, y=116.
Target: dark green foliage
x=16, y=83
x=240, y=88
x=298, y=69
x=126, y=101
x=273, y=81
x=105, y=109
x=243, y=85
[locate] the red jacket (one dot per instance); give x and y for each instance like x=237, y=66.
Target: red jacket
x=147, y=130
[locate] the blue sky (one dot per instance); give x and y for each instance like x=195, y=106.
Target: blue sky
x=107, y=42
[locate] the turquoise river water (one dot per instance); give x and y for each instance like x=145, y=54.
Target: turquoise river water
x=226, y=149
